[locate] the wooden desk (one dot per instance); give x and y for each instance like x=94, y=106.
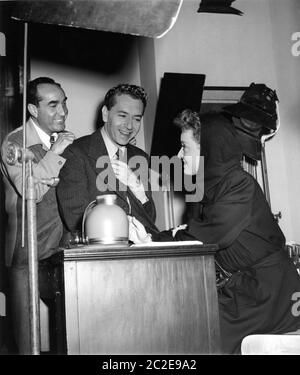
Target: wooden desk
x=138, y=300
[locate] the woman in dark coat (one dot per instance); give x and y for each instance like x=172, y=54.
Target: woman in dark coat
x=259, y=279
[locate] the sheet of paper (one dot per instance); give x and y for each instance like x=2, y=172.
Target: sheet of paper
x=170, y=244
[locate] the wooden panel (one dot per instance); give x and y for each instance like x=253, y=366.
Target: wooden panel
x=211, y=300
x=10, y=117
x=151, y=249
x=71, y=308
x=136, y=306
x=150, y=18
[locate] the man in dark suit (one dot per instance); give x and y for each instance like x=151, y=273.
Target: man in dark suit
x=94, y=163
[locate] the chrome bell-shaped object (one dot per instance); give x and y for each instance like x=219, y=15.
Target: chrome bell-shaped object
x=104, y=222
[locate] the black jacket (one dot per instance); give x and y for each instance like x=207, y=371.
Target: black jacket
x=258, y=297
x=78, y=186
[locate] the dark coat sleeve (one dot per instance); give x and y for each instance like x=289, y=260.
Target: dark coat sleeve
x=145, y=213
x=72, y=190
x=223, y=218
x=149, y=206
x=229, y=213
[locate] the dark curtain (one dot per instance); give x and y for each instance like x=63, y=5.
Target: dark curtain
x=10, y=117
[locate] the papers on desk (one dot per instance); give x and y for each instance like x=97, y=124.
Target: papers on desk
x=170, y=244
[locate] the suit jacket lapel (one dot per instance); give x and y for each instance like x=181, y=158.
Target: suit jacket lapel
x=97, y=146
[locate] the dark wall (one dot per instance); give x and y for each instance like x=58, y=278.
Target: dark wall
x=178, y=91
x=80, y=48
x=10, y=118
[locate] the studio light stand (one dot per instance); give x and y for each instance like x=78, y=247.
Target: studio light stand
x=25, y=156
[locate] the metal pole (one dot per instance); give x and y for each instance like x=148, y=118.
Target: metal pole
x=265, y=173
x=29, y=194
x=169, y=199
x=34, y=307
x=171, y=206
x=24, y=130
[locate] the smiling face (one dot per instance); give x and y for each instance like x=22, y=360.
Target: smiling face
x=51, y=111
x=123, y=120
x=189, y=152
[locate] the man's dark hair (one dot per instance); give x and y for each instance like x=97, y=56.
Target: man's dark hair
x=189, y=120
x=32, y=89
x=136, y=92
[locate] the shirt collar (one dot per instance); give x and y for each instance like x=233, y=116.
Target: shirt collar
x=111, y=147
x=45, y=138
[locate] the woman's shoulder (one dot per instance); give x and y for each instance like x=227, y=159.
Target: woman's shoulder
x=237, y=182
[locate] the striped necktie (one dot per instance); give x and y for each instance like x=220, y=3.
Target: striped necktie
x=121, y=155
x=52, y=140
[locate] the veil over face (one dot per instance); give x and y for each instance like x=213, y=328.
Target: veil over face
x=220, y=147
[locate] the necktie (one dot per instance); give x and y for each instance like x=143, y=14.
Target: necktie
x=121, y=155
x=52, y=140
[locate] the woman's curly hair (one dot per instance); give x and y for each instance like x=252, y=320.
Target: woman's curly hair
x=188, y=119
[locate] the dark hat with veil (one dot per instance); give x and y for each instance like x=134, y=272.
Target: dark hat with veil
x=254, y=116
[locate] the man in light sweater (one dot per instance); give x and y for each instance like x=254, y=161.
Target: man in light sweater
x=48, y=111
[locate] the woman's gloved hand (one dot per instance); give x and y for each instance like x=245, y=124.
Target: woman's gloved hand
x=180, y=227
x=137, y=231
